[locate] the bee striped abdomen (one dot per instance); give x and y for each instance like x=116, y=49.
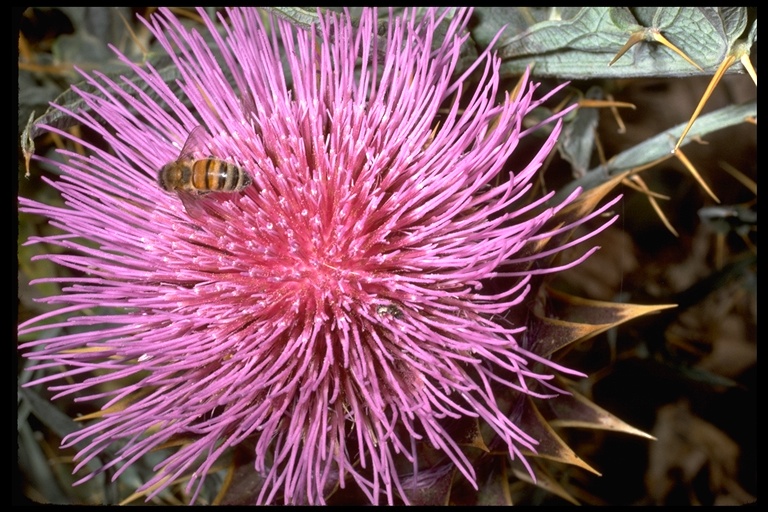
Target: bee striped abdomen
x=203, y=176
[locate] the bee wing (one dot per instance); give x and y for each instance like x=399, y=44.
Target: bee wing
x=198, y=208
x=192, y=204
x=196, y=141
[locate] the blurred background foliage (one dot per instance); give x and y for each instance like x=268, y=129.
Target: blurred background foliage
x=686, y=236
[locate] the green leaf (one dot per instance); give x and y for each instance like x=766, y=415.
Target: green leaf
x=95, y=29
x=581, y=46
x=577, y=140
x=73, y=101
x=514, y=20
x=34, y=96
x=303, y=17
x=33, y=461
x=661, y=145
x=103, y=23
x=590, y=29
x=87, y=48
x=50, y=415
x=752, y=36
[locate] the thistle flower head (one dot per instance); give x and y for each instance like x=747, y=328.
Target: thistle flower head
x=335, y=312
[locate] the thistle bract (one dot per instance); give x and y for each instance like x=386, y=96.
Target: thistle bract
x=335, y=312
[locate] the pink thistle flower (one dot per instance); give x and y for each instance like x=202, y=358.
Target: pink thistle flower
x=333, y=312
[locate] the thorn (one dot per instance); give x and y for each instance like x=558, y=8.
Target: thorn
x=727, y=62
x=634, y=38
x=656, y=36
x=688, y=165
x=652, y=35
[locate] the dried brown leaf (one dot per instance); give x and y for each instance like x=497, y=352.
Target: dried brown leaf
x=688, y=449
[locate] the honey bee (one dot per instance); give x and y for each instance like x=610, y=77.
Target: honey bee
x=201, y=176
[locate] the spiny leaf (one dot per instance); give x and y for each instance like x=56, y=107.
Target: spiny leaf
x=573, y=214
x=225, y=485
x=430, y=486
x=660, y=146
x=41, y=75
x=72, y=101
x=705, y=376
x=59, y=423
x=244, y=484
x=550, y=446
x=51, y=416
x=570, y=319
x=588, y=200
x=585, y=204
x=652, y=35
x=28, y=143
x=39, y=472
x=595, y=312
x=736, y=54
x=494, y=489
x=752, y=34
x=578, y=411
x=580, y=43
x=600, y=29
x=472, y=435
x=742, y=178
x=553, y=335
x=303, y=17
x=688, y=165
x=514, y=20
x=577, y=139
x=139, y=495
x=544, y=481
x=652, y=196
x=614, y=106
